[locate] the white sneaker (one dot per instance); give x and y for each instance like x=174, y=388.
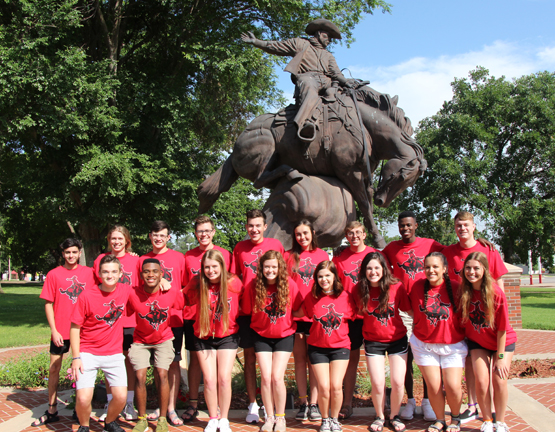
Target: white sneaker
x=326, y=425
x=212, y=425
x=487, y=426
x=336, y=426
x=253, y=416
x=129, y=412
x=427, y=411
x=104, y=414
x=407, y=413
x=501, y=427
x=224, y=425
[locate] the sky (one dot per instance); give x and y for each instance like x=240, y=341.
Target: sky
x=418, y=49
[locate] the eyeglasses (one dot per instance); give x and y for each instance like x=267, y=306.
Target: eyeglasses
x=205, y=232
x=355, y=233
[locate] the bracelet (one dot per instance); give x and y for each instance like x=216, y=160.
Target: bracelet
x=76, y=358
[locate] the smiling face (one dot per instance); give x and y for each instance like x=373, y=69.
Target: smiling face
x=374, y=272
x=117, y=243
x=303, y=235
x=270, y=270
x=151, y=275
x=212, y=270
x=71, y=256
x=356, y=238
x=110, y=274
x=255, y=229
x=465, y=229
x=407, y=229
x=325, y=279
x=434, y=270
x=204, y=234
x=159, y=239
x=474, y=272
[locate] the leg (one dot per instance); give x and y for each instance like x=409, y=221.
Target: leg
x=174, y=378
x=140, y=391
x=472, y=410
x=337, y=370
x=119, y=398
x=452, y=378
x=300, y=356
x=351, y=378
x=250, y=373
x=193, y=375
x=209, y=367
x=265, y=361
x=163, y=390
x=481, y=366
x=432, y=375
x=226, y=358
x=83, y=398
x=500, y=392
x=322, y=372
x=376, y=369
x=397, y=367
x=409, y=376
x=279, y=391
x=313, y=398
x=53, y=380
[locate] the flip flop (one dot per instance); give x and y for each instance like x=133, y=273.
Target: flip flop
x=174, y=419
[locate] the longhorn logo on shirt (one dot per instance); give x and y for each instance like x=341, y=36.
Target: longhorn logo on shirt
x=156, y=315
x=383, y=317
x=477, y=317
x=125, y=277
x=216, y=305
x=271, y=309
x=306, y=270
x=331, y=320
x=195, y=272
x=458, y=272
x=74, y=289
x=413, y=265
x=253, y=265
x=166, y=271
x=436, y=310
x=353, y=274
x=113, y=314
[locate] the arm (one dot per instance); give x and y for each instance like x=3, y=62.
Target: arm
x=500, y=284
x=56, y=337
x=299, y=313
x=251, y=39
x=75, y=341
x=486, y=243
x=165, y=285
x=501, y=366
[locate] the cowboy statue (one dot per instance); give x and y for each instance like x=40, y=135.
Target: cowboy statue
x=313, y=68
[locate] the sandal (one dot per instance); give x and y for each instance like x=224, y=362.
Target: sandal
x=378, y=422
x=346, y=412
x=174, y=419
x=154, y=415
x=452, y=427
x=396, y=422
x=434, y=428
x=46, y=418
x=191, y=412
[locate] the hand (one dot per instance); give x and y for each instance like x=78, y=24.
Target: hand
x=351, y=83
x=76, y=367
x=57, y=339
x=249, y=38
x=486, y=243
x=165, y=285
x=501, y=368
x=133, y=254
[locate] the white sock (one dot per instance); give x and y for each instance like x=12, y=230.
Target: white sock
x=109, y=396
x=130, y=396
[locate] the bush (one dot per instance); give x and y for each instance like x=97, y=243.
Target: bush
x=30, y=371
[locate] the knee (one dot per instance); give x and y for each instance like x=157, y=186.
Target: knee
x=210, y=383
x=277, y=381
x=224, y=382
x=324, y=390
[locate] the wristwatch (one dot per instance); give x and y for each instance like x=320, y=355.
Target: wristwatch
x=501, y=355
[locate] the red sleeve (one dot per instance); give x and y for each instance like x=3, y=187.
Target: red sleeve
x=308, y=306
x=49, y=287
x=179, y=302
x=247, y=300
x=296, y=298
x=190, y=293
x=96, y=269
x=501, y=311
x=79, y=312
x=235, y=264
x=353, y=310
x=403, y=302
x=497, y=266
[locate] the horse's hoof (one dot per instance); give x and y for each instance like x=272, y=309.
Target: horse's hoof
x=293, y=175
x=379, y=242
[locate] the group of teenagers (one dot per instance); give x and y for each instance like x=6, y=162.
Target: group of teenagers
x=442, y=307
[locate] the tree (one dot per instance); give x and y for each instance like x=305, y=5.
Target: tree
x=491, y=150
x=113, y=111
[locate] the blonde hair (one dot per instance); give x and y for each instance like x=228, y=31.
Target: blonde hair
x=282, y=283
x=353, y=225
x=464, y=215
x=125, y=232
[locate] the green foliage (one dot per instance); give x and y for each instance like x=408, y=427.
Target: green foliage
x=490, y=150
x=30, y=371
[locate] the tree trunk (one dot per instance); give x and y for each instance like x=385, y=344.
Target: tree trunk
x=90, y=236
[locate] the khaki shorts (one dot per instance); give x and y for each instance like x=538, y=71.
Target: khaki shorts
x=140, y=354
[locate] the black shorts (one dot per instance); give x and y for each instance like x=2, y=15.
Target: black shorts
x=400, y=346
x=304, y=327
x=189, y=333
x=246, y=334
x=229, y=342
x=355, y=333
x=325, y=355
x=475, y=345
x=177, y=342
x=264, y=344
x=128, y=337
x=56, y=350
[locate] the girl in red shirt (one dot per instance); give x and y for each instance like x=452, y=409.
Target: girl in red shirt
x=216, y=294
x=301, y=261
x=331, y=308
x=491, y=339
x=437, y=340
x=379, y=297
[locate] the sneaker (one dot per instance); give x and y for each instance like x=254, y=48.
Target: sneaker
x=303, y=412
x=129, y=412
x=142, y=425
x=104, y=414
x=469, y=415
x=335, y=425
x=212, y=425
x=280, y=425
x=314, y=413
x=268, y=426
x=252, y=416
x=113, y=427
x=162, y=425
x=224, y=425
x=427, y=411
x=407, y=413
x=487, y=426
x=502, y=427
x=326, y=425
x=83, y=429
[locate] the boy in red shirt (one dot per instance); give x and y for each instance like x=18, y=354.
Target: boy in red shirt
x=96, y=337
x=152, y=335
x=244, y=264
x=61, y=290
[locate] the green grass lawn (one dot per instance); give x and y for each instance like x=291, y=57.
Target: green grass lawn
x=538, y=308
x=22, y=318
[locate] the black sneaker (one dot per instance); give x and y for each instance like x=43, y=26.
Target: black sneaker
x=83, y=429
x=303, y=412
x=113, y=427
x=469, y=415
x=314, y=413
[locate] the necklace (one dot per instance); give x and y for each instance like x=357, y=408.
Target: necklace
x=328, y=292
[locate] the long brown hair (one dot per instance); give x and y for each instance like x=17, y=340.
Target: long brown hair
x=363, y=286
x=317, y=290
x=222, y=306
x=296, y=249
x=446, y=278
x=487, y=290
x=282, y=296
x=125, y=232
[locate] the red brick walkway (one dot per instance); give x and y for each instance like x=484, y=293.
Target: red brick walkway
x=544, y=393
x=535, y=342
x=19, y=402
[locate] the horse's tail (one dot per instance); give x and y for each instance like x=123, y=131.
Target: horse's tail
x=218, y=183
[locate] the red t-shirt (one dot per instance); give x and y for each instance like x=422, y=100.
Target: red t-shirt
x=407, y=259
x=63, y=287
x=100, y=316
x=192, y=269
x=269, y=322
x=329, y=316
x=477, y=330
x=130, y=276
x=386, y=326
x=441, y=325
x=456, y=255
x=234, y=294
x=153, y=314
x=173, y=269
x=308, y=260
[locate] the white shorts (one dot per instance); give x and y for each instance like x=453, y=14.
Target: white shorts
x=113, y=367
x=442, y=355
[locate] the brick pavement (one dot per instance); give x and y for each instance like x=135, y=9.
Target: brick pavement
x=15, y=403
x=535, y=342
x=544, y=393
